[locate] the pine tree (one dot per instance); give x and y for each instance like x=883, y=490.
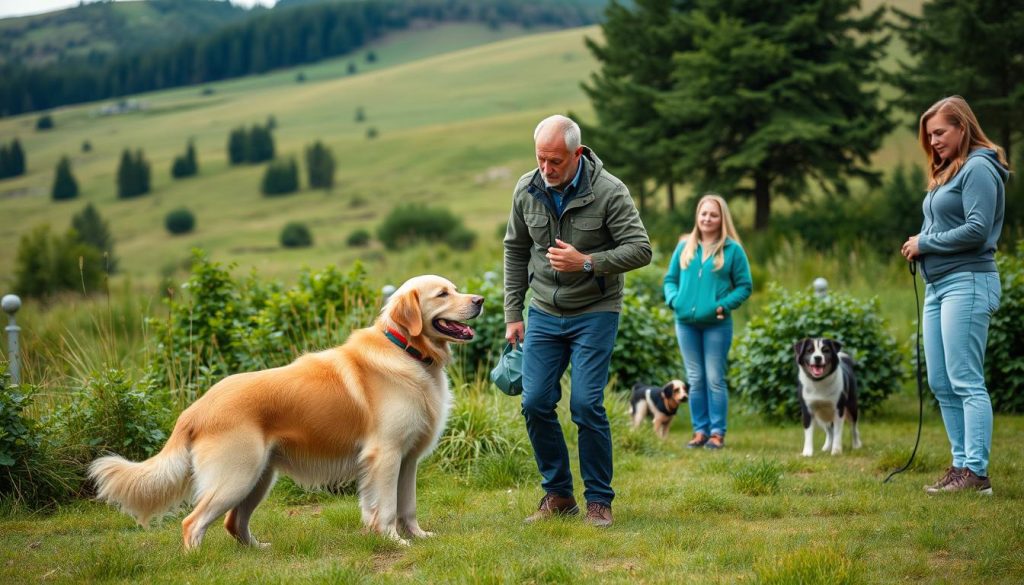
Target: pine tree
x=94, y=231
x=773, y=93
x=6, y=169
x=17, y=159
x=64, y=184
x=238, y=146
x=261, y=144
x=636, y=68
x=185, y=165
x=132, y=175
x=972, y=48
x=281, y=177
x=320, y=166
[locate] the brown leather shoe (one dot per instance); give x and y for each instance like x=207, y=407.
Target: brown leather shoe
x=698, y=440
x=598, y=515
x=715, y=442
x=951, y=474
x=554, y=505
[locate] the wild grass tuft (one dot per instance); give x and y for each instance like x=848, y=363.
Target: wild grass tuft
x=815, y=565
x=757, y=478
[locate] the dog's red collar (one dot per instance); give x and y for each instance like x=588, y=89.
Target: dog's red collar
x=400, y=340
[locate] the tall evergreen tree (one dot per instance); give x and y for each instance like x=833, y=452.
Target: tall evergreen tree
x=185, y=165
x=64, y=184
x=17, y=159
x=94, y=231
x=773, y=93
x=973, y=48
x=320, y=166
x=6, y=166
x=636, y=68
x=238, y=146
x=261, y=144
x=132, y=175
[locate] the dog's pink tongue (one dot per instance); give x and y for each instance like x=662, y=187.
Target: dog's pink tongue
x=816, y=370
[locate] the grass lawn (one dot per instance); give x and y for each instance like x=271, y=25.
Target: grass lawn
x=755, y=512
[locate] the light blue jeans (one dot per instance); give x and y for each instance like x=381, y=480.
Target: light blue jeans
x=957, y=311
x=705, y=348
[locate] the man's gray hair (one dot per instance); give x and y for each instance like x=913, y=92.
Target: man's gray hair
x=570, y=130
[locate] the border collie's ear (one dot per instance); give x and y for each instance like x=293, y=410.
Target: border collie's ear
x=406, y=313
x=836, y=346
x=798, y=347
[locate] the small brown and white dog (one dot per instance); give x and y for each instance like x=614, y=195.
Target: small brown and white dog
x=368, y=409
x=827, y=392
x=661, y=404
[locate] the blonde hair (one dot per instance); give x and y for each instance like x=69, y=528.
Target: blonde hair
x=959, y=114
x=728, y=230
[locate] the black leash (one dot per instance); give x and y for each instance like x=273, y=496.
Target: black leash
x=920, y=386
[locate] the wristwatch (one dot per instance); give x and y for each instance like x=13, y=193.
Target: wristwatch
x=588, y=266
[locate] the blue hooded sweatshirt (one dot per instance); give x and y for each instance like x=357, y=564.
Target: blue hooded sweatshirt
x=963, y=218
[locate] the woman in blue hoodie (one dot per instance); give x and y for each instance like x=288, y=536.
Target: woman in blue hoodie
x=963, y=217
x=708, y=278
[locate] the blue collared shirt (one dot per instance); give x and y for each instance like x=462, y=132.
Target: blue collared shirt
x=560, y=198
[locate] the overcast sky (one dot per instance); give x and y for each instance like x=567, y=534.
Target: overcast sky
x=22, y=7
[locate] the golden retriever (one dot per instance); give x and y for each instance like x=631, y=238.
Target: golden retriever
x=368, y=409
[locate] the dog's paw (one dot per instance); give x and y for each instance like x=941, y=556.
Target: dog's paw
x=807, y=453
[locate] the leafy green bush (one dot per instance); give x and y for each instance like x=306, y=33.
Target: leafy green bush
x=281, y=178
x=296, y=235
x=31, y=471
x=224, y=325
x=112, y=413
x=180, y=221
x=44, y=122
x=358, y=238
x=763, y=367
x=645, y=348
x=47, y=264
x=1004, y=358
x=407, y=225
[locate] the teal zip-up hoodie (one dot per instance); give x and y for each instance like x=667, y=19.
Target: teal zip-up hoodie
x=696, y=293
x=964, y=218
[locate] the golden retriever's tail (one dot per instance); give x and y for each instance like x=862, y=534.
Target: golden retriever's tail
x=149, y=488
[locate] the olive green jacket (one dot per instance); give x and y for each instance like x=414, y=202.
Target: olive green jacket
x=600, y=220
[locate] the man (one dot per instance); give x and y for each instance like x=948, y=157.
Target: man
x=572, y=233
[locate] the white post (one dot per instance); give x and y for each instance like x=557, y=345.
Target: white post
x=11, y=304
x=820, y=287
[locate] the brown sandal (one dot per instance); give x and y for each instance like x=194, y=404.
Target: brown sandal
x=698, y=440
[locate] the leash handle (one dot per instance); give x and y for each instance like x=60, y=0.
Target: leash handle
x=920, y=386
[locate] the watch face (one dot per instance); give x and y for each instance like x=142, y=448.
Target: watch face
x=587, y=266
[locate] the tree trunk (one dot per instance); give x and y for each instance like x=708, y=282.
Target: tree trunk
x=642, y=192
x=762, y=201
x=671, y=197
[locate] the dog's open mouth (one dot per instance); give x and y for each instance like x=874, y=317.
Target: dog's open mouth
x=815, y=371
x=454, y=329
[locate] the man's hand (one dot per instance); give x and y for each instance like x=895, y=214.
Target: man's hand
x=910, y=250
x=720, y=313
x=565, y=258
x=515, y=332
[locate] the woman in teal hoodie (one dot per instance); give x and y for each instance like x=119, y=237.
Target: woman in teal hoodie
x=963, y=218
x=708, y=278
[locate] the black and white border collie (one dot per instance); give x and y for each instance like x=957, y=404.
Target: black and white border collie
x=827, y=391
x=659, y=403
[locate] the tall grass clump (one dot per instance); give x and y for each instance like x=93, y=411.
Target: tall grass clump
x=478, y=430
x=815, y=565
x=757, y=478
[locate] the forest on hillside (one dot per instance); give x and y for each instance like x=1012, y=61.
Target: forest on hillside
x=267, y=41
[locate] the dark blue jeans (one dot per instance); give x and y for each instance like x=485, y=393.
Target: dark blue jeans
x=551, y=344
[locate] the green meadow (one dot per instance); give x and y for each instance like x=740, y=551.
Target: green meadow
x=454, y=108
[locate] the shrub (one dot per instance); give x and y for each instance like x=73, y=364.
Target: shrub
x=64, y=184
x=281, y=178
x=371, y=132
x=86, y=146
x=31, y=473
x=763, y=369
x=358, y=238
x=360, y=114
x=12, y=160
x=645, y=347
x=112, y=413
x=1004, y=358
x=320, y=166
x=47, y=264
x=296, y=235
x=407, y=225
x=180, y=221
x=477, y=431
x=221, y=325
x=44, y=122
